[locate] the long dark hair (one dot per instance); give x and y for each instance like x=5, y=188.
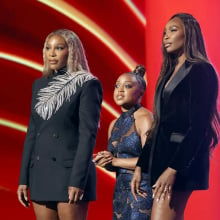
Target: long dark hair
x=195, y=52
x=194, y=47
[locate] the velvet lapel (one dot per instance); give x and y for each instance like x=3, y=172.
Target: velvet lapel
x=179, y=76
x=159, y=92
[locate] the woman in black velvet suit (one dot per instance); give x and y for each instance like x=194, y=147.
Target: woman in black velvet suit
x=186, y=124
x=57, y=162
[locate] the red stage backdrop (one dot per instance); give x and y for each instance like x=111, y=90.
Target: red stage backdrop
x=116, y=35
x=203, y=204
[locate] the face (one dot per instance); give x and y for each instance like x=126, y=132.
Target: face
x=56, y=52
x=127, y=91
x=174, y=36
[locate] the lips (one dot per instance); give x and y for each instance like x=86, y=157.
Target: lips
x=166, y=45
x=53, y=61
x=119, y=97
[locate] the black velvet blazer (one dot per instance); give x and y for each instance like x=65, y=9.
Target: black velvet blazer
x=58, y=148
x=182, y=136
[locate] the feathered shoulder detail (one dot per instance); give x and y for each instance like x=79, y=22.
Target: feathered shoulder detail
x=51, y=98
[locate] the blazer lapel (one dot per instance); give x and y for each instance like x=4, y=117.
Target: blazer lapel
x=180, y=75
x=159, y=92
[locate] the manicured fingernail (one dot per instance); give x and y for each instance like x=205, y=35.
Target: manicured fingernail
x=153, y=196
x=158, y=199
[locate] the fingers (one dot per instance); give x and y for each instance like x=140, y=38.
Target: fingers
x=142, y=193
x=160, y=192
x=25, y=195
x=133, y=188
x=22, y=194
x=75, y=195
x=169, y=192
x=105, y=161
x=135, y=183
x=103, y=158
x=81, y=197
x=97, y=157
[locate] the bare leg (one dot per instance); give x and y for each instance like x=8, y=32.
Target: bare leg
x=170, y=209
x=73, y=211
x=44, y=213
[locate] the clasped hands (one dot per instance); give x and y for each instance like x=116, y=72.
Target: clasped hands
x=103, y=158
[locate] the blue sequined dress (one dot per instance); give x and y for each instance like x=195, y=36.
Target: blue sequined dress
x=125, y=142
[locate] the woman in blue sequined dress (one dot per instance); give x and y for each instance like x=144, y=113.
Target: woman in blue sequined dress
x=127, y=135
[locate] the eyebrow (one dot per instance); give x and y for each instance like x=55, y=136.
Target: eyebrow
x=126, y=81
x=59, y=44
x=174, y=25
x=171, y=26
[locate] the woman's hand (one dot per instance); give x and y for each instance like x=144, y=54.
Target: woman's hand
x=22, y=193
x=75, y=194
x=135, y=184
x=103, y=158
x=164, y=184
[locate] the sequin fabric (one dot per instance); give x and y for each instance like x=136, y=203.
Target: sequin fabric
x=125, y=142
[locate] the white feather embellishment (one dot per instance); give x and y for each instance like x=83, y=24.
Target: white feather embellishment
x=51, y=98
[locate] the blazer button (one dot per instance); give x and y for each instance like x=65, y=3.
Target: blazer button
x=55, y=135
x=37, y=158
x=54, y=158
x=38, y=134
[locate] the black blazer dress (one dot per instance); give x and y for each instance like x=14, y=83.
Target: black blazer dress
x=182, y=136
x=61, y=136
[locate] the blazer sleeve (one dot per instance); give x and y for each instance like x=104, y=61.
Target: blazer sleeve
x=203, y=97
x=89, y=114
x=27, y=149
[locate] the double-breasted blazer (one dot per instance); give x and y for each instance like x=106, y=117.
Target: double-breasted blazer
x=61, y=136
x=182, y=135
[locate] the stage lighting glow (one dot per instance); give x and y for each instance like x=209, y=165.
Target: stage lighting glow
x=31, y=64
x=75, y=15
x=21, y=60
x=111, y=174
x=135, y=10
x=13, y=125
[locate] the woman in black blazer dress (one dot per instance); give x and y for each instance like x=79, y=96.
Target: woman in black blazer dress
x=186, y=124
x=57, y=162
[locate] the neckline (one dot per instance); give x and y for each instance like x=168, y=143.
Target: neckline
x=130, y=111
x=172, y=78
x=60, y=71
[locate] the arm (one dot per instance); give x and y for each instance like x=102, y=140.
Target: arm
x=22, y=191
x=143, y=122
x=201, y=104
x=143, y=125
x=89, y=113
x=28, y=147
x=142, y=162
